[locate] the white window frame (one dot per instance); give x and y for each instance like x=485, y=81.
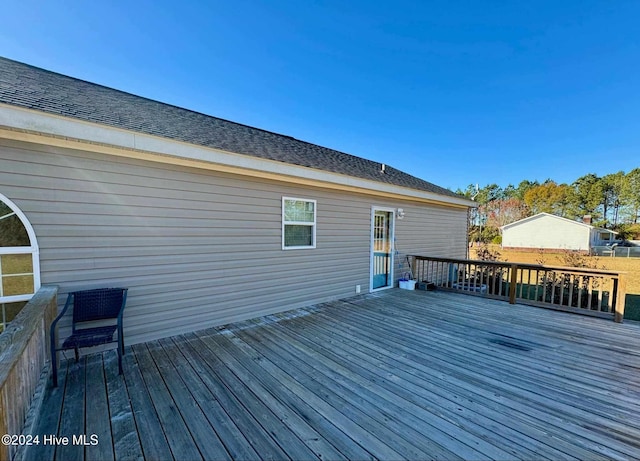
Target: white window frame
x=300, y=223
x=32, y=249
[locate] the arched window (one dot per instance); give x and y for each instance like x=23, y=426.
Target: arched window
x=19, y=260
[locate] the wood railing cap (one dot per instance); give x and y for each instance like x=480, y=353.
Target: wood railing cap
x=581, y=270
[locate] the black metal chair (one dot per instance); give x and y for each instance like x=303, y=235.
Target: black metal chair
x=97, y=315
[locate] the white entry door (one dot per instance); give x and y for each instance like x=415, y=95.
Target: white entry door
x=381, y=248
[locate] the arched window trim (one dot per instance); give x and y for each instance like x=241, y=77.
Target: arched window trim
x=33, y=249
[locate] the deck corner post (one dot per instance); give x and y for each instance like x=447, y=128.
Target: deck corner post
x=620, y=296
x=512, y=284
x=414, y=267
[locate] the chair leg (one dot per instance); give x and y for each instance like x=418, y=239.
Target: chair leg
x=120, y=350
x=77, y=355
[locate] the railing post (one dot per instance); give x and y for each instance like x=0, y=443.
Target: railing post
x=414, y=267
x=621, y=294
x=513, y=283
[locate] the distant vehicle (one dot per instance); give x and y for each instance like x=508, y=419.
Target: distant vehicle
x=622, y=243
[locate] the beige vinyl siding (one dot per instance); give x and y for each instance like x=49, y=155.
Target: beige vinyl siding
x=198, y=248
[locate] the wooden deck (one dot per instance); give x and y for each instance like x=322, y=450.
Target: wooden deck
x=396, y=375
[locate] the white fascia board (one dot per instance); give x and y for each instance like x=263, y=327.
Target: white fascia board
x=527, y=219
x=539, y=215
x=33, y=121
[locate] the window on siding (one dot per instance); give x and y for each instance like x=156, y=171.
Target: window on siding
x=19, y=261
x=298, y=223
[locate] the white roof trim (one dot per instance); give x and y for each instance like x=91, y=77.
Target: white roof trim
x=33, y=121
x=536, y=216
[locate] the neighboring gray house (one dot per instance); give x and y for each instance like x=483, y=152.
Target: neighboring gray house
x=550, y=232
x=205, y=220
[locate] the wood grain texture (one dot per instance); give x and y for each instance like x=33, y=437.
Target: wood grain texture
x=395, y=375
x=24, y=351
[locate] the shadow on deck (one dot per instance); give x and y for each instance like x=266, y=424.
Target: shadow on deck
x=396, y=375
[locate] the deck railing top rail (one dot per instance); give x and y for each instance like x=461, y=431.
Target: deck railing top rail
x=574, y=289
x=581, y=270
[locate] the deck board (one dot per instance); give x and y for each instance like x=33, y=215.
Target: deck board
x=390, y=418
x=395, y=386
x=175, y=430
x=519, y=391
x=196, y=422
x=72, y=420
x=126, y=440
x=209, y=368
x=381, y=416
x=151, y=433
x=228, y=432
x=256, y=400
x=419, y=389
x=97, y=421
x=394, y=375
x=281, y=385
x=477, y=377
x=341, y=417
x=316, y=444
x=445, y=385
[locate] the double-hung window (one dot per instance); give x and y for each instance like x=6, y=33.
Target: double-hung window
x=298, y=223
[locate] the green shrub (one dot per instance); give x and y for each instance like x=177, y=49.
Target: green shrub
x=632, y=307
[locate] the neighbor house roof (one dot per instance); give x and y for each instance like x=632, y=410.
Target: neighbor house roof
x=29, y=87
x=539, y=215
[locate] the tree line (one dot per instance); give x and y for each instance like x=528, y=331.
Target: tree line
x=612, y=201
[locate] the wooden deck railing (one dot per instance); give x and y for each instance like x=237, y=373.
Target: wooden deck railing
x=593, y=292
x=24, y=350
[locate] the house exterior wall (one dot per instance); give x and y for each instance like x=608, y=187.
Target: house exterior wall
x=601, y=237
x=594, y=237
x=547, y=232
x=199, y=248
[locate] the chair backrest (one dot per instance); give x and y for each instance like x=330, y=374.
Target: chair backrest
x=98, y=304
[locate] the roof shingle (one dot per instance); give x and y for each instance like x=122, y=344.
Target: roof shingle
x=34, y=88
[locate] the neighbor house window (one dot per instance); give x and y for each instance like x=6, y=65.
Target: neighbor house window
x=298, y=223
x=19, y=261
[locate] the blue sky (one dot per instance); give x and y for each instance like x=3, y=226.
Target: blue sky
x=455, y=92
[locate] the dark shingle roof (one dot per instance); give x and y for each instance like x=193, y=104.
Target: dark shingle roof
x=34, y=88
